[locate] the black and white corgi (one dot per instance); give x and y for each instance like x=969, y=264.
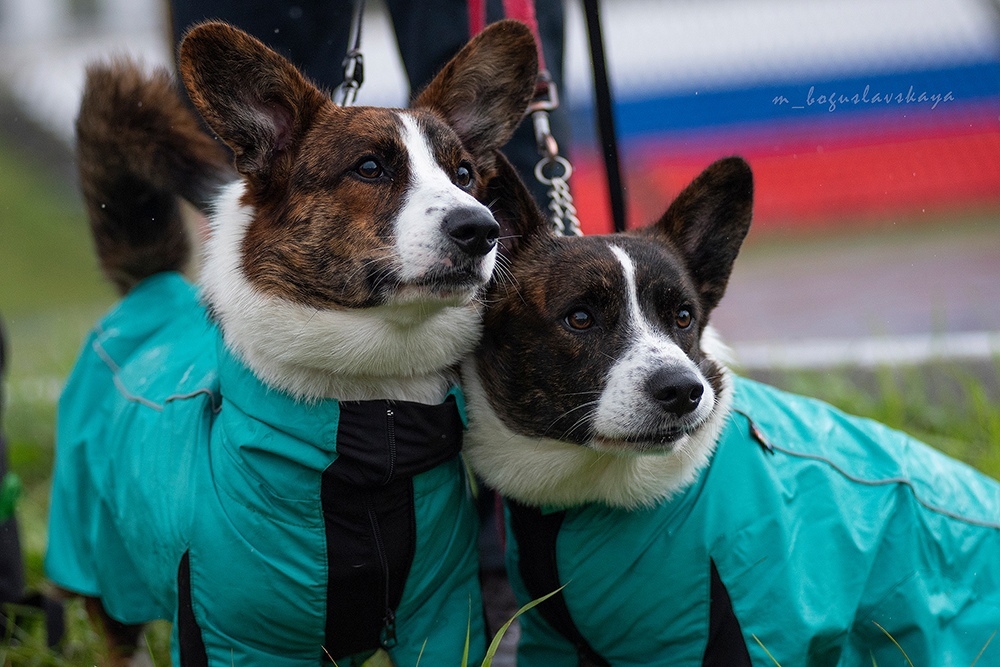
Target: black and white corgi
x=611, y=366
x=692, y=516
x=270, y=459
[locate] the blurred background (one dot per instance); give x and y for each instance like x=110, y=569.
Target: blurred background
x=871, y=277
x=874, y=126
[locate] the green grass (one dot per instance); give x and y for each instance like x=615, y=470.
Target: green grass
x=51, y=292
x=46, y=257
x=955, y=408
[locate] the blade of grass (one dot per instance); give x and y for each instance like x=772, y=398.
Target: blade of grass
x=893, y=640
x=761, y=644
x=495, y=644
x=468, y=636
x=330, y=656
x=149, y=648
x=983, y=649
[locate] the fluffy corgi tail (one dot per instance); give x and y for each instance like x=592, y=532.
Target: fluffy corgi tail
x=139, y=148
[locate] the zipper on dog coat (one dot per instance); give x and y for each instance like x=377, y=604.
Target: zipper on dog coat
x=368, y=508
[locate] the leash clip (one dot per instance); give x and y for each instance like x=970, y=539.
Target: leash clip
x=546, y=99
x=544, y=141
x=546, y=93
x=354, y=76
x=354, y=62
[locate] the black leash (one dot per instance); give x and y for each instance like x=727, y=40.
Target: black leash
x=605, y=113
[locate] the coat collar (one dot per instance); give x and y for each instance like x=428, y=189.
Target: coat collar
x=317, y=432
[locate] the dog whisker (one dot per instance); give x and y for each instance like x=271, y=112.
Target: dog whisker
x=576, y=424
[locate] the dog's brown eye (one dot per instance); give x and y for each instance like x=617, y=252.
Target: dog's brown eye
x=579, y=320
x=369, y=169
x=463, y=176
x=684, y=318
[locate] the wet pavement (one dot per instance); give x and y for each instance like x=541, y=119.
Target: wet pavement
x=888, y=293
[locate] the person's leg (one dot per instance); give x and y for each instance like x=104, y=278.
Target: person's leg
x=428, y=34
x=312, y=34
x=432, y=31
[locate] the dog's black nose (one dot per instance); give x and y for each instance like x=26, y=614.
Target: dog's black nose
x=472, y=230
x=677, y=391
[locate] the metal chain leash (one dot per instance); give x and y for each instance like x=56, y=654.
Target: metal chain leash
x=561, y=208
x=553, y=170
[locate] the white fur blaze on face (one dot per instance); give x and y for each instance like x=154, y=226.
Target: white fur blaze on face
x=421, y=242
x=626, y=408
x=400, y=352
x=547, y=472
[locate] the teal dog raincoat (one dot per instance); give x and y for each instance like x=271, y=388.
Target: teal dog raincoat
x=271, y=532
x=813, y=538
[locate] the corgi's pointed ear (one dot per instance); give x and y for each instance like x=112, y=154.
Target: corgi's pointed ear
x=708, y=222
x=483, y=92
x=254, y=99
x=514, y=208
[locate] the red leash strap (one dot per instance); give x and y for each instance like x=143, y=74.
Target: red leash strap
x=477, y=17
x=521, y=10
x=524, y=11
